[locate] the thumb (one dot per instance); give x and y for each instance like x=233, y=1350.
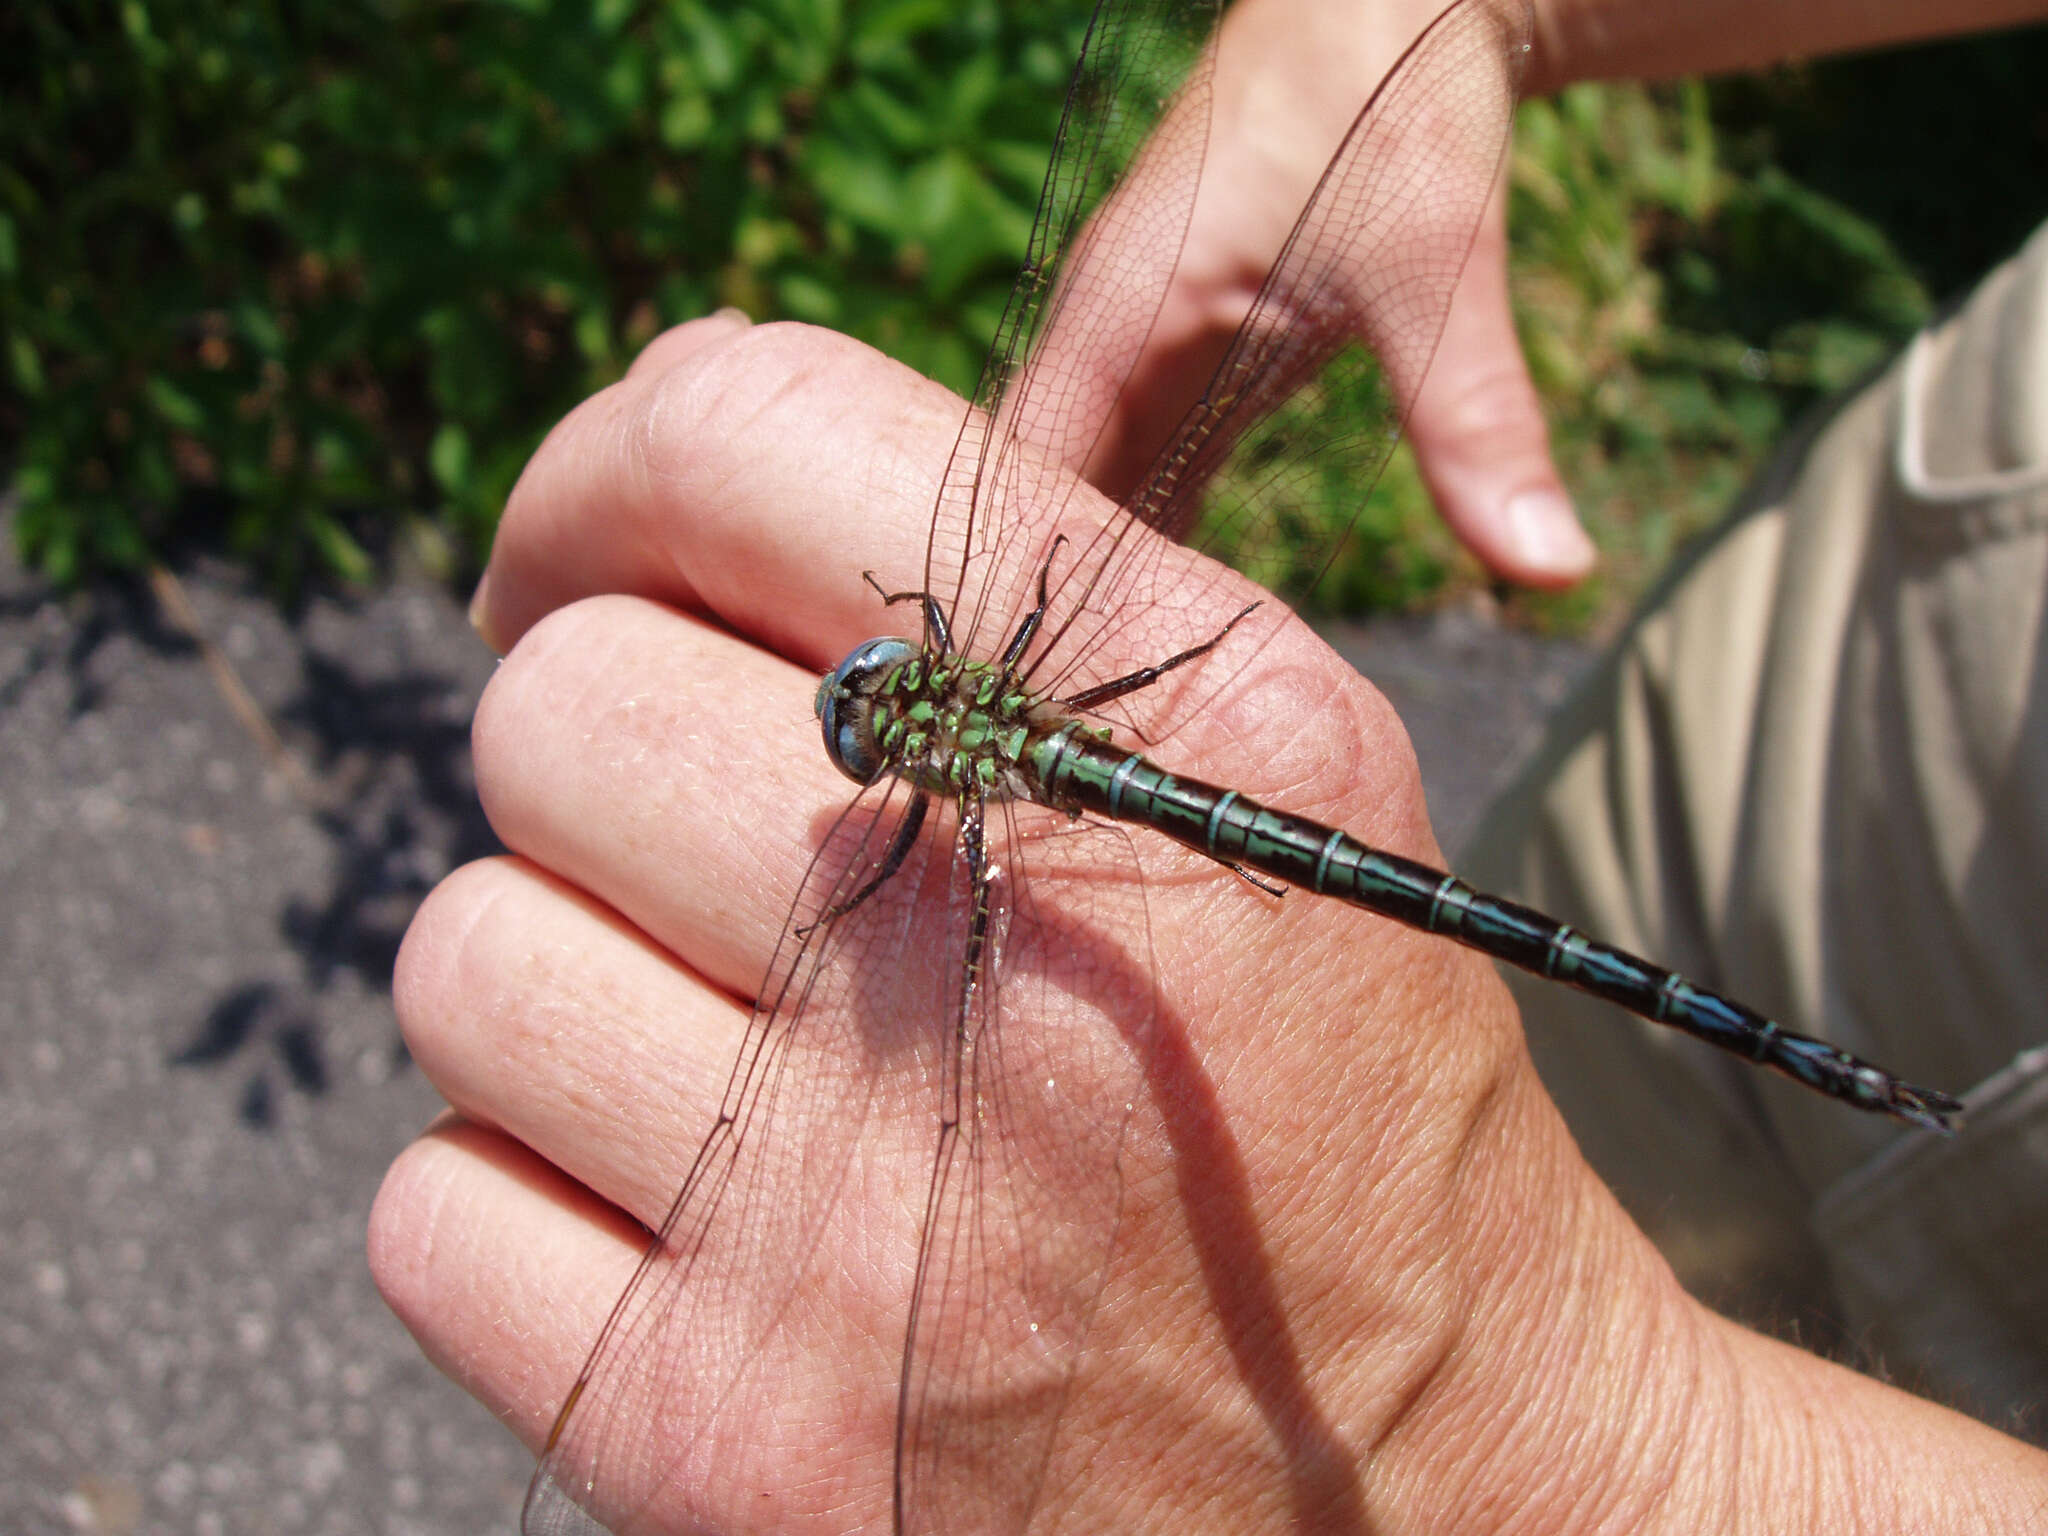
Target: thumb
x=1479, y=436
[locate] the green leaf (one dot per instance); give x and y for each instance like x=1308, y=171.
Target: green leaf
x=935, y=194
x=712, y=48
x=259, y=327
x=594, y=336
x=1022, y=163
x=448, y=457
x=873, y=113
x=972, y=91
x=339, y=549
x=863, y=187
x=173, y=404
x=685, y=120
x=884, y=25
x=804, y=297
x=24, y=364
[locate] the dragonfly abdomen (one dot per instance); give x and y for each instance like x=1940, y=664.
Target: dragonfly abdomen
x=1076, y=771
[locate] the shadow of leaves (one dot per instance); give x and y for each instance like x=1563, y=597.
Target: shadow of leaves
x=382, y=731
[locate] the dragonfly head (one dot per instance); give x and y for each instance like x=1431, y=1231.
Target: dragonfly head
x=846, y=705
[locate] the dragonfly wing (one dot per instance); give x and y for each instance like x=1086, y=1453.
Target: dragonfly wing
x=1026, y=1192
x=682, y=1412
x=1038, y=411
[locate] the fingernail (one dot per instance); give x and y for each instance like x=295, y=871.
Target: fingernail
x=1547, y=534
x=477, y=619
x=732, y=312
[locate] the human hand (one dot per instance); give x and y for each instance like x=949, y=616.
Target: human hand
x=1362, y=1278
x=1320, y=1177
x=1291, y=75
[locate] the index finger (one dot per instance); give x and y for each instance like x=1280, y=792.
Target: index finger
x=739, y=472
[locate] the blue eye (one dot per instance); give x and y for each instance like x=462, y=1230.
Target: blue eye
x=845, y=705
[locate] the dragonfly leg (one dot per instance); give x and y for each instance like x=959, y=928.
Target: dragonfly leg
x=934, y=616
x=1270, y=887
x=974, y=848
x=1014, y=651
x=954, y=1074
x=1145, y=677
x=900, y=842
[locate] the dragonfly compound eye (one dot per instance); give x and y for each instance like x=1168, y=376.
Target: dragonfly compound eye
x=846, y=705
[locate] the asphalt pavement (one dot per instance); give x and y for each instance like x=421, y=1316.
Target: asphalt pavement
x=201, y=1078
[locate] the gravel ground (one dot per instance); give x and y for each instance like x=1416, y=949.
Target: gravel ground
x=201, y=1079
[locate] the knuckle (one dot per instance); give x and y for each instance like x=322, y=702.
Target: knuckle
x=731, y=389
x=1489, y=401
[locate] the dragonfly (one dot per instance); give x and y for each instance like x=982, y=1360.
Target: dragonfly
x=925, y=975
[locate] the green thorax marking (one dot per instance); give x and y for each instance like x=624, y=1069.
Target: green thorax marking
x=944, y=723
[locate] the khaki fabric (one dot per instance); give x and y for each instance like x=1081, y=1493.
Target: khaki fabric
x=1814, y=774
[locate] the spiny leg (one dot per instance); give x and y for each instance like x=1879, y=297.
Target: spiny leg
x=934, y=615
x=1145, y=677
x=900, y=843
x=1270, y=887
x=952, y=1109
x=1014, y=651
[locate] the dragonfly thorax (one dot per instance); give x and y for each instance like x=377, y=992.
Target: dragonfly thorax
x=942, y=722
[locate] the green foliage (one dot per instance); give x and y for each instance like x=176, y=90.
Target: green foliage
x=283, y=279
x=271, y=277
x=1679, y=309
x=1667, y=306
x=1697, y=266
